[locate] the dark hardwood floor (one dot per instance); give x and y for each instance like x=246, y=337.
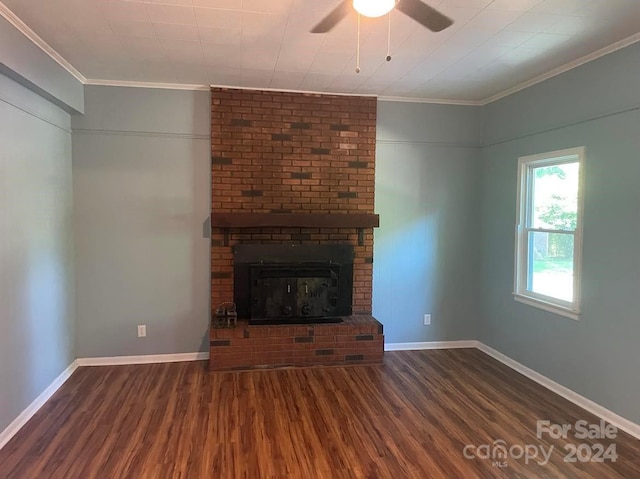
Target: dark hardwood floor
x=409, y=418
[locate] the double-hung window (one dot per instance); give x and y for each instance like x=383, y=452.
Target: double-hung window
x=549, y=231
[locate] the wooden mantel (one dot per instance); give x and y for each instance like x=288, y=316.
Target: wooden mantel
x=301, y=220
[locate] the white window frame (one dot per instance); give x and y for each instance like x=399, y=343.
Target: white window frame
x=526, y=164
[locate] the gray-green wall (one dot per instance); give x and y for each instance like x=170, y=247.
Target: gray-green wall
x=598, y=106
x=24, y=62
x=36, y=247
x=141, y=179
x=426, y=194
x=142, y=175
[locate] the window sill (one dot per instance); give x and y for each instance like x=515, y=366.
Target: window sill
x=546, y=306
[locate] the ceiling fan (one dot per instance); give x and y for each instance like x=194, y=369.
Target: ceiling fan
x=422, y=13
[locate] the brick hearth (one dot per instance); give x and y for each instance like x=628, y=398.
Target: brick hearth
x=358, y=340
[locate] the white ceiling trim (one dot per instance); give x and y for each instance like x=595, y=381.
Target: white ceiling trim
x=23, y=28
x=294, y=91
x=139, y=84
x=39, y=42
x=431, y=101
x=625, y=42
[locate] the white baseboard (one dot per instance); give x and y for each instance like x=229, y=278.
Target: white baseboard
x=430, y=345
x=146, y=359
x=587, y=404
x=21, y=420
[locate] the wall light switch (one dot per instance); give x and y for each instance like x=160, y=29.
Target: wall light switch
x=142, y=330
x=427, y=319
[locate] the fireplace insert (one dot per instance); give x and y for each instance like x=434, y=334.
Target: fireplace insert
x=280, y=284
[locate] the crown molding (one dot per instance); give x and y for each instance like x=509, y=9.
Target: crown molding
x=143, y=84
x=284, y=90
x=432, y=101
x=23, y=28
x=625, y=42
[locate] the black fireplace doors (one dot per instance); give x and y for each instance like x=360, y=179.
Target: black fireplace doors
x=279, y=284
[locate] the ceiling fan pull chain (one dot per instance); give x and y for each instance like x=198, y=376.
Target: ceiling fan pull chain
x=389, y=39
x=358, y=48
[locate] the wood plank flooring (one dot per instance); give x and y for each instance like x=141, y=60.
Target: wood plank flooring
x=408, y=418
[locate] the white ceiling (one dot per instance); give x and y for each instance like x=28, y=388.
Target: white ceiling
x=493, y=46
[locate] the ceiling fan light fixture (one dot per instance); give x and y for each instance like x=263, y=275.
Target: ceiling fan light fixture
x=373, y=8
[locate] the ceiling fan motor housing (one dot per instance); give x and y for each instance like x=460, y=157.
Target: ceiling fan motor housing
x=419, y=11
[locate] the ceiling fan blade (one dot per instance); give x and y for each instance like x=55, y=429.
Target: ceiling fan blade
x=424, y=15
x=331, y=20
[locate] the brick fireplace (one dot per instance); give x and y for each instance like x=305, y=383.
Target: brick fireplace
x=293, y=169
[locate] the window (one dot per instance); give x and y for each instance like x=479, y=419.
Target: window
x=549, y=231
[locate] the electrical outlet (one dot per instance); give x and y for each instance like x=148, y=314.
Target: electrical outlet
x=142, y=330
x=427, y=319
